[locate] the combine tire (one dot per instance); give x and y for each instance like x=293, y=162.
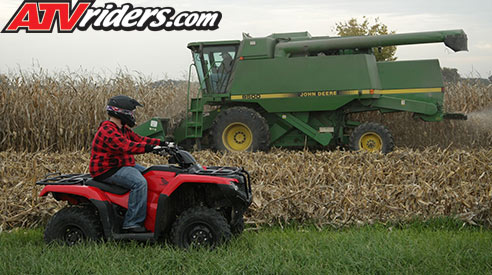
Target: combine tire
x=240, y=129
x=73, y=225
x=372, y=137
x=200, y=227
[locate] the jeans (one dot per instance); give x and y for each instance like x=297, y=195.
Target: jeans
x=131, y=178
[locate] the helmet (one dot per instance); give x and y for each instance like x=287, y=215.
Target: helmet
x=123, y=107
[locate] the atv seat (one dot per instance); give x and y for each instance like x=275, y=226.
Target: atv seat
x=111, y=188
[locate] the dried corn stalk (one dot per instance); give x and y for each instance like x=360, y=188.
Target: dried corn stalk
x=327, y=188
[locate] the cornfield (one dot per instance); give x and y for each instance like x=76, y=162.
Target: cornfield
x=327, y=188
x=61, y=112
x=439, y=169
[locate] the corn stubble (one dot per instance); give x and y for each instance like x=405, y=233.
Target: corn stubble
x=327, y=188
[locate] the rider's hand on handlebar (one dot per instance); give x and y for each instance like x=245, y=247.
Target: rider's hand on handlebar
x=158, y=149
x=163, y=143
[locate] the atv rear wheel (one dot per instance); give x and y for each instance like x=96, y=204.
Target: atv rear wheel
x=371, y=137
x=200, y=227
x=73, y=225
x=240, y=129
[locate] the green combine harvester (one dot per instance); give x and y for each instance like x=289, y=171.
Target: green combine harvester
x=295, y=90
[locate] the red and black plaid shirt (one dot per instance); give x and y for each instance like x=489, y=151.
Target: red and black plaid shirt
x=113, y=148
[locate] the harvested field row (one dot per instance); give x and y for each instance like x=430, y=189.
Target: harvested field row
x=328, y=188
x=61, y=112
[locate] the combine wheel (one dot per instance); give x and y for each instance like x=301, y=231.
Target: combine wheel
x=73, y=225
x=372, y=137
x=240, y=129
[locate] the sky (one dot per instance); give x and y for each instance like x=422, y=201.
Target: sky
x=163, y=54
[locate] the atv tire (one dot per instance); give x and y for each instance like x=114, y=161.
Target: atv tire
x=238, y=227
x=372, y=137
x=73, y=225
x=200, y=227
x=240, y=129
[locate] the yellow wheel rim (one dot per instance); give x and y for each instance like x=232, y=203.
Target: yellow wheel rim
x=371, y=142
x=237, y=137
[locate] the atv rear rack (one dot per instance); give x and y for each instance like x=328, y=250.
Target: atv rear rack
x=66, y=179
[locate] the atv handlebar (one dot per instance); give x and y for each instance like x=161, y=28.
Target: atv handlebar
x=163, y=150
x=176, y=156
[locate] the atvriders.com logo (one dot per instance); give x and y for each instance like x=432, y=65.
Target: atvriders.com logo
x=40, y=17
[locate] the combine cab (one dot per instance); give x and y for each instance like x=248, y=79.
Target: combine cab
x=295, y=90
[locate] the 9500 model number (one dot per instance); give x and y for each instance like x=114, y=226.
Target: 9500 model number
x=251, y=96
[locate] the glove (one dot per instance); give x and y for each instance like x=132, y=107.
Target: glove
x=163, y=143
x=148, y=148
x=158, y=149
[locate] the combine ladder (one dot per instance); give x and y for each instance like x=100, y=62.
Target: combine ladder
x=194, y=115
x=194, y=123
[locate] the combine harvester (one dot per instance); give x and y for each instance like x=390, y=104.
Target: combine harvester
x=295, y=90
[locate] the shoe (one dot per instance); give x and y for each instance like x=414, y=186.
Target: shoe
x=134, y=229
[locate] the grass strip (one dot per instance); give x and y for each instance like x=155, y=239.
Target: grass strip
x=435, y=247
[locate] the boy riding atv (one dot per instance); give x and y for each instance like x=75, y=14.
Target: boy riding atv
x=186, y=203
x=112, y=158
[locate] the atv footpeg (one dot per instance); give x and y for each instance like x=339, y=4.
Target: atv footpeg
x=149, y=236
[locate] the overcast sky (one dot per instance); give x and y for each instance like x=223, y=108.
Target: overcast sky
x=164, y=54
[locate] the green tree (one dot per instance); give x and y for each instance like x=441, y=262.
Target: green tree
x=450, y=75
x=354, y=28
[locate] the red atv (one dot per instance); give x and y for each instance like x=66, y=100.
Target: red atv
x=187, y=204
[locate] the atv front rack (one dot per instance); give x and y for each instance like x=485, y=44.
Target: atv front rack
x=66, y=179
x=224, y=171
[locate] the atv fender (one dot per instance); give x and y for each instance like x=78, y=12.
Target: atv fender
x=164, y=216
x=78, y=190
x=165, y=213
x=185, y=178
x=93, y=195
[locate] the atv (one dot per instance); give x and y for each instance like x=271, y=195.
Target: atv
x=188, y=204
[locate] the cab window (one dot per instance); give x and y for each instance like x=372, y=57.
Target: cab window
x=217, y=65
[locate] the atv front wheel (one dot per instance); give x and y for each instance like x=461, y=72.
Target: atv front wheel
x=200, y=227
x=73, y=225
x=238, y=227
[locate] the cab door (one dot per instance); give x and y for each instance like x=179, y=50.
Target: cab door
x=214, y=67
